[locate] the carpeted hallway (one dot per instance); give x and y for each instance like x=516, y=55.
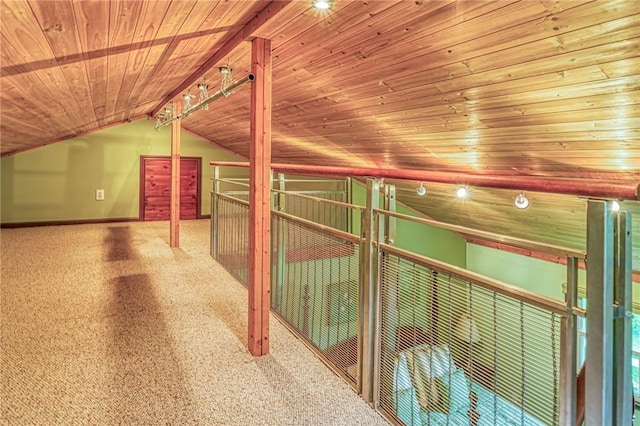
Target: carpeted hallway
x=106, y=324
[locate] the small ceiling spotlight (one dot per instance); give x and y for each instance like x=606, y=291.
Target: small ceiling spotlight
x=421, y=190
x=462, y=193
x=615, y=206
x=521, y=201
x=227, y=78
x=203, y=88
x=322, y=4
x=165, y=116
x=225, y=69
x=168, y=112
x=187, y=103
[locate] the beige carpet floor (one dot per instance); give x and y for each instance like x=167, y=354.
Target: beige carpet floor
x=106, y=324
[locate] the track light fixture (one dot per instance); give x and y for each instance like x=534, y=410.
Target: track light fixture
x=227, y=87
x=421, y=190
x=521, y=201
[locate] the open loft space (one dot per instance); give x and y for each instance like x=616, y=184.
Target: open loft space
x=432, y=206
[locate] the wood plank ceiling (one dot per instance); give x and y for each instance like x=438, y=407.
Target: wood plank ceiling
x=505, y=88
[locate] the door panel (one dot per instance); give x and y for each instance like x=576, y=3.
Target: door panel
x=156, y=188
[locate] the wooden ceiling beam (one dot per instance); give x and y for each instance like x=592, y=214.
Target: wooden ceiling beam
x=230, y=42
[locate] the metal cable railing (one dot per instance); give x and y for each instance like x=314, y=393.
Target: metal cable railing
x=506, y=350
x=231, y=248
x=499, y=342
x=315, y=288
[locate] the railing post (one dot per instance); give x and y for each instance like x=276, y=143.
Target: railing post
x=214, y=212
x=599, y=362
x=389, y=221
x=622, y=385
x=368, y=278
x=348, y=191
x=386, y=302
x=568, y=348
x=281, y=244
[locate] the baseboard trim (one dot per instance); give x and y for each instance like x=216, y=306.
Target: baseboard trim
x=68, y=222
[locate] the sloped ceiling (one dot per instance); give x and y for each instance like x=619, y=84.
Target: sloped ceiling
x=504, y=88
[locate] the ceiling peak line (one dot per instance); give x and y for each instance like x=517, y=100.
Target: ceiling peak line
x=606, y=189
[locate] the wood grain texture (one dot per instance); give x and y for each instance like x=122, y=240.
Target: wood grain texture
x=504, y=88
x=174, y=216
x=259, y=282
x=156, y=190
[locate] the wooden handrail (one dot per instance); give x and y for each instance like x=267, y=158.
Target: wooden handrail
x=609, y=189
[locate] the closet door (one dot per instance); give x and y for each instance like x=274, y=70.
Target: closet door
x=155, y=188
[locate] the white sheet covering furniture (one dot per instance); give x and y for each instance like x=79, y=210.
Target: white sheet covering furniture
x=429, y=390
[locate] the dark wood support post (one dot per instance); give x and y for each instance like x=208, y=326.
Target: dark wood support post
x=259, y=199
x=174, y=234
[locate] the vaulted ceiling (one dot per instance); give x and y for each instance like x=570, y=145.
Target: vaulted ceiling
x=541, y=89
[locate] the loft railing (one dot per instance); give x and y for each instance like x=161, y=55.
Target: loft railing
x=376, y=314
x=507, y=343
x=315, y=259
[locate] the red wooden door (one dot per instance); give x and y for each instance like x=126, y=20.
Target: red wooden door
x=155, y=188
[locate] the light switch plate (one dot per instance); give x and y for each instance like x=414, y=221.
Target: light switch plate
x=99, y=194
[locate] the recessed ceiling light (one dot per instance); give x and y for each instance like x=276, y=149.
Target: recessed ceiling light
x=322, y=4
x=615, y=206
x=421, y=190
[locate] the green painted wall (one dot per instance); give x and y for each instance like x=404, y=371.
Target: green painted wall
x=540, y=276
x=422, y=239
x=58, y=182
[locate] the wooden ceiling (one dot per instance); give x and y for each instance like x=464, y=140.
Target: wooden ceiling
x=505, y=88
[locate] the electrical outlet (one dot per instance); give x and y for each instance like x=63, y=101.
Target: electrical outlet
x=99, y=194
